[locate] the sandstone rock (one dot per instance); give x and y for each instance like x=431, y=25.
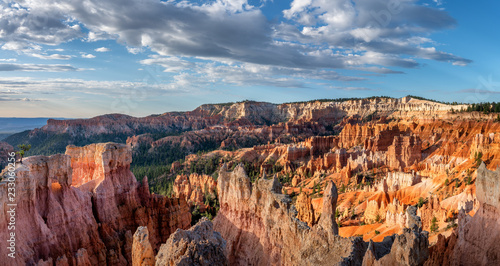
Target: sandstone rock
x=396, y=214
x=398, y=180
x=136, y=141
x=199, y=245
x=477, y=237
x=441, y=253
x=305, y=211
x=409, y=248
x=82, y=258
x=374, y=212
x=320, y=145
x=327, y=219
x=295, y=181
x=404, y=152
x=430, y=210
x=194, y=188
x=261, y=228
x=142, y=252
x=413, y=222
x=91, y=223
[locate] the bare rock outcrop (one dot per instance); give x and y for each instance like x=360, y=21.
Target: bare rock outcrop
x=142, y=251
x=408, y=248
x=194, y=188
x=260, y=226
x=475, y=241
x=404, y=152
x=200, y=245
x=398, y=180
x=91, y=222
x=478, y=236
x=305, y=211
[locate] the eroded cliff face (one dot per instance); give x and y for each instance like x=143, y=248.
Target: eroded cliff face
x=194, y=188
x=92, y=221
x=261, y=227
x=475, y=241
x=236, y=125
x=381, y=167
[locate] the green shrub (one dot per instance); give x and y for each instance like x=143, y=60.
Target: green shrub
x=434, y=226
x=421, y=202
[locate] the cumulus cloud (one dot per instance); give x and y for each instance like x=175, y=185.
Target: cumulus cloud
x=102, y=49
x=35, y=22
x=204, y=73
x=85, y=55
x=33, y=50
x=316, y=37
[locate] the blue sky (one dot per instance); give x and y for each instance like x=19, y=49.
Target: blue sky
x=69, y=58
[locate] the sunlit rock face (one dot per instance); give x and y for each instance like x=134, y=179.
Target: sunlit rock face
x=200, y=245
x=83, y=206
x=261, y=227
x=475, y=242
x=194, y=188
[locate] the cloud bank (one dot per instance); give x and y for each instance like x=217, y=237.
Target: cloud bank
x=233, y=41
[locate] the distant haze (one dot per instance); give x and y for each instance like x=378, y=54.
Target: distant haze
x=11, y=125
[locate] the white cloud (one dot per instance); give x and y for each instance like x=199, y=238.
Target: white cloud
x=134, y=50
x=85, y=55
x=51, y=56
x=55, y=86
x=102, y=49
x=170, y=64
x=36, y=67
x=317, y=36
x=36, y=22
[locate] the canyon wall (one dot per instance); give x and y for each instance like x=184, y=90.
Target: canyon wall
x=475, y=241
x=261, y=227
x=92, y=221
x=194, y=188
x=246, y=113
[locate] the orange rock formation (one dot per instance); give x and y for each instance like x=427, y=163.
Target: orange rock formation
x=93, y=221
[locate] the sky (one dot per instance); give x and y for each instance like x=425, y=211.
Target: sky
x=83, y=58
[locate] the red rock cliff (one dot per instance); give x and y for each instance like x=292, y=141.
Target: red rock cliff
x=261, y=227
x=92, y=221
x=476, y=241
